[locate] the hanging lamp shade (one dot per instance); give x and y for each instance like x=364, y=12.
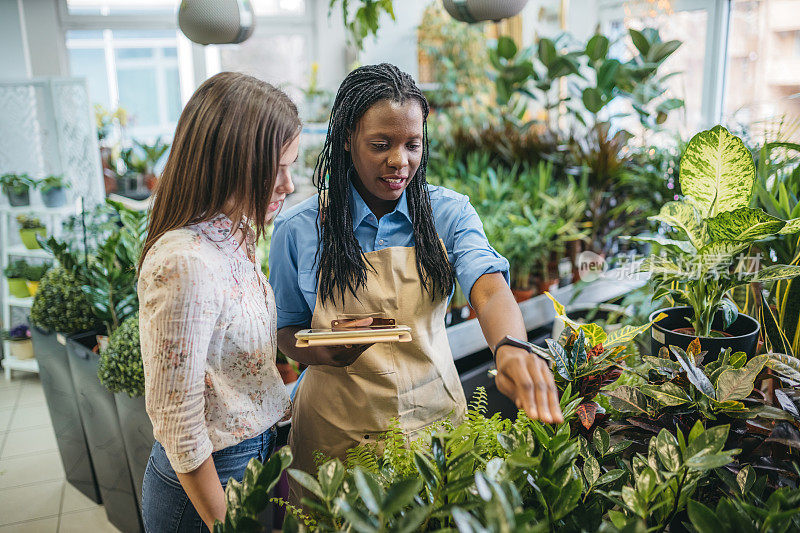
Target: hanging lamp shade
x=482, y=10
x=216, y=21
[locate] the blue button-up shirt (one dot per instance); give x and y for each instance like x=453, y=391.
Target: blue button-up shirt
x=292, y=266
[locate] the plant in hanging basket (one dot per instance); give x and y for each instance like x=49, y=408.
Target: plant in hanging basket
x=706, y=257
x=17, y=188
x=53, y=190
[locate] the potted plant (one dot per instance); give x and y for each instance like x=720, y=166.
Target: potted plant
x=121, y=371
x=15, y=274
x=60, y=308
x=17, y=188
x=152, y=155
x=34, y=275
x=19, y=345
x=714, y=228
x=53, y=190
x=29, y=228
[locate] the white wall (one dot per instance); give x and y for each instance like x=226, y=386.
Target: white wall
x=14, y=62
x=46, y=39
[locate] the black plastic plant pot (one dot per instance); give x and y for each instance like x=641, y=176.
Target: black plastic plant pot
x=99, y=414
x=743, y=333
x=137, y=432
x=62, y=403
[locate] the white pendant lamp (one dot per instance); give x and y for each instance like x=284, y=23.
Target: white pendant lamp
x=481, y=10
x=216, y=21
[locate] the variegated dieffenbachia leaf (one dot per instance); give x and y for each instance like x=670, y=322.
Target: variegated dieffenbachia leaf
x=717, y=170
x=743, y=224
x=685, y=217
x=661, y=265
x=678, y=246
x=771, y=273
x=792, y=226
x=717, y=256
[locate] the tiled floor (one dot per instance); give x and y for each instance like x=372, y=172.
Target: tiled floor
x=34, y=496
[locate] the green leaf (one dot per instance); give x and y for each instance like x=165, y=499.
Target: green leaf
x=506, y=47
x=785, y=365
x=792, y=226
x=729, y=312
x=639, y=41
x=709, y=462
x=628, y=399
x=679, y=246
x=330, y=477
x=771, y=273
x=717, y=257
x=704, y=519
x=400, y=494
x=369, y=490
x=684, y=217
x=412, y=519
x=594, y=334
x=561, y=359
x=708, y=442
x=578, y=355
x=597, y=47
x=667, y=394
x=743, y=224
x=606, y=74
x=591, y=469
x=661, y=51
x=668, y=450
x=547, y=52
x=695, y=375
x=601, y=440
x=593, y=99
x=670, y=104
x=308, y=482
x=610, y=476
x=717, y=170
x=745, y=479
x=695, y=432
x=737, y=384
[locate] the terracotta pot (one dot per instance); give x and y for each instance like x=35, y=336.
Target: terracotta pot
x=150, y=181
x=286, y=370
x=520, y=295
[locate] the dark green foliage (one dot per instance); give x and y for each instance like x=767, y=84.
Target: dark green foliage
x=60, y=304
x=120, y=368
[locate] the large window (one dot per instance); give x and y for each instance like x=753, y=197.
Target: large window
x=133, y=69
x=762, y=88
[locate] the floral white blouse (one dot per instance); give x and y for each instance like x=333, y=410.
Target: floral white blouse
x=208, y=336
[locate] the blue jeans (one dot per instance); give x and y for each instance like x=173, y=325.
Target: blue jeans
x=165, y=506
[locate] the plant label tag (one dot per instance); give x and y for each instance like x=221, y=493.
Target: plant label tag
x=658, y=335
x=61, y=339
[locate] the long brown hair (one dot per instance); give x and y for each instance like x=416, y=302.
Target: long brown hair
x=227, y=145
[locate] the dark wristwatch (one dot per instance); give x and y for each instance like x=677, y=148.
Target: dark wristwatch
x=508, y=340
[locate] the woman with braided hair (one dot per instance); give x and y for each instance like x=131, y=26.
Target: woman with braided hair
x=379, y=241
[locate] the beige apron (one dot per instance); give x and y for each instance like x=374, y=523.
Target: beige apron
x=336, y=408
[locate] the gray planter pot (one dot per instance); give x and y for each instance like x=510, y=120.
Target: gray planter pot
x=62, y=403
x=54, y=197
x=18, y=200
x=99, y=414
x=137, y=432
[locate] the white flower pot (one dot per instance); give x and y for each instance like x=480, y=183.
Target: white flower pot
x=21, y=349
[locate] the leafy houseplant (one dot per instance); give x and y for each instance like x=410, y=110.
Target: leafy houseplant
x=121, y=368
x=33, y=276
x=715, y=227
x=17, y=188
x=60, y=305
x=20, y=345
x=15, y=274
x=29, y=228
x=53, y=190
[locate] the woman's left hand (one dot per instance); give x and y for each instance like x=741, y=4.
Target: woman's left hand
x=528, y=382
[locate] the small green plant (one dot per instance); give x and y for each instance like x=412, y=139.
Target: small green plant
x=19, y=333
x=17, y=270
x=60, y=305
x=362, y=17
x=16, y=183
x=50, y=183
x=715, y=227
x=29, y=222
x=37, y=272
x=120, y=368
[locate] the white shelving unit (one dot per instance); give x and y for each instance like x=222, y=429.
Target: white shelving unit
x=10, y=250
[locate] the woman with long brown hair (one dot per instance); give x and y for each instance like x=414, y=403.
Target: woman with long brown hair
x=207, y=314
